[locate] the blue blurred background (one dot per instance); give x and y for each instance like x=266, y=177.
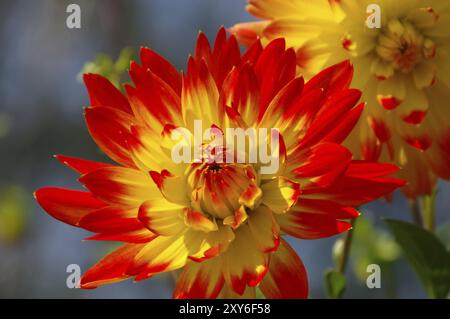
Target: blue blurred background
x=41, y=104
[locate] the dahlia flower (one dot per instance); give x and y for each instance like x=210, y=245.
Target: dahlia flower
x=221, y=223
x=402, y=68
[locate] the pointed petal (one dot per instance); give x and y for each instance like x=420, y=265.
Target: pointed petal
x=203, y=48
x=234, y=221
x=306, y=225
x=111, y=220
x=286, y=278
x=355, y=191
x=253, y=52
x=277, y=113
x=198, y=221
x=104, y=93
x=341, y=130
x=154, y=102
x=280, y=194
x=335, y=110
x=227, y=292
x=167, y=183
x=139, y=236
x=264, y=229
x=109, y=129
x=80, y=165
x=322, y=164
x=162, y=68
x=111, y=268
x=163, y=254
x=244, y=264
x=326, y=207
x=66, y=205
x=120, y=186
x=211, y=244
x=274, y=69
x=200, y=280
x=162, y=217
x=240, y=91
x=200, y=95
x=225, y=56
x=248, y=32
x=370, y=169
x=334, y=79
x=251, y=197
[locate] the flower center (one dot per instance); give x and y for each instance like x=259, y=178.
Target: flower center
x=221, y=189
x=403, y=46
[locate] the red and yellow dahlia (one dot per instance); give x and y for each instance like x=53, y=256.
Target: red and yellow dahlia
x=402, y=68
x=221, y=223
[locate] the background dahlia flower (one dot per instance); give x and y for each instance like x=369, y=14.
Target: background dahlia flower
x=221, y=223
x=402, y=68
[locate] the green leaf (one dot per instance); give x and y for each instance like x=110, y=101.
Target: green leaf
x=371, y=245
x=443, y=233
x=335, y=284
x=123, y=61
x=13, y=213
x=104, y=65
x=427, y=255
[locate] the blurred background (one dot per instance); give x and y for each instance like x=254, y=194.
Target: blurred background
x=41, y=100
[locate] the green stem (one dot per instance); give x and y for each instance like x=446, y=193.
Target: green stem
x=415, y=212
x=429, y=211
x=346, y=250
